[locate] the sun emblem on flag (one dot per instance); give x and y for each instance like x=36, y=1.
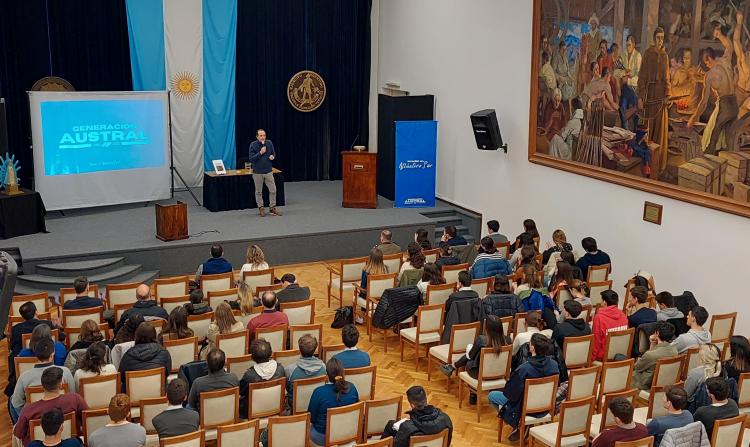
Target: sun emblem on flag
x=185, y=85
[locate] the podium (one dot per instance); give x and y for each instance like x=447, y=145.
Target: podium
x=171, y=222
x=359, y=175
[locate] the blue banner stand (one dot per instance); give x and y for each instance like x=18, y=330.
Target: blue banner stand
x=416, y=152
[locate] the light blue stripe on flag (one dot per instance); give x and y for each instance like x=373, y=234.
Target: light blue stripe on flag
x=146, y=35
x=219, y=62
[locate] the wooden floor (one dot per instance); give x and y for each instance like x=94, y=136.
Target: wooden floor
x=393, y=377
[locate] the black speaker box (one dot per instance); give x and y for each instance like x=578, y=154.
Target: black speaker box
x=486, y=130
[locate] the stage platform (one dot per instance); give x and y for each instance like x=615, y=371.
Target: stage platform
x=119, y=241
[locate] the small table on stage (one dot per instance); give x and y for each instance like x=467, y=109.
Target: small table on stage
x=235, y=190
x=21, y=214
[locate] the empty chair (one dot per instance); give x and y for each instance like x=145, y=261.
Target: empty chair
x=344, y=424
x=170, y=287
x=220, y=407
x=217, y=297
x=450, y=272
x=439, y=293
x=220, y=281
x=234, y=344
x=722, y=326
x=182, y=351
x=598, y=273
x=275, y=335
x=194, y=439
x=436, y=440
x=539, y=397
x=297, y=331
x=120, y=294
x=299, y=312
x=144, y=384
x=40, y=300
x=240, y=434
x=98, y=390
x=199, y=324
x=342, y=276
x=583, y=382
x=266, y=399
x=461, y=336
x=288, y=431
x=302, y=390
x=378, y=413
x=364, y=379
x=573, y=427
x=75, y=317
x=256, y=278
x=616, y=376
x=494, y=371
x=427, y=332
x=728, y=432
x=577, y=351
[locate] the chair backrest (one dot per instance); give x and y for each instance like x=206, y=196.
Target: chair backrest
x=69, y=427
x=377, y=284
x=728, y=432
x=507, y=323
x=483, y=286
x=288, y=431
x=92, y=420
x=220, y=407
x=73, y=334
x=598, y=273
x=275, y=335
x=98, y=390
x=23, y=364
x=240, y=434
x=436, y=440
x=194, y=439
x=287, y=357
x=120, y=309
x=656, y=399
x=120, y=294
x=15, y=319
x=450, y=272
x=54, y=335
x=330, y=350
x=430, y=255
x=199, y=324
x=494, y=366
x=722, y=326
x=583, y=382
x=692, y=360
x=430, y=320
x=577, y=351
x=379, y=412
x=266, y=398
x=150, y=408
x=297, y=331
x=461, y=336
x=40, y=300
x=35, y=393
x=587, y=313
x=540, y=395
x=351, y=269
x=393, y=261
x=563, y=295
x=596, y=288
x=519, y=323
x=217, y=297
x=643, y=442
x=575, y=418
x=743, y=394
x=182, y=351
x=238, y=365
x=344, y=424
x=144, y=384
x=256, y=278
x=364, y=379
x=439, y=293
x=169, y=287
x=503, y=248
x=300, y=312
x=302, y=390
x=260, y=290
x=668, y=370
x=75, y=317
x=234, y=344
x=619, y=342
x=616, y=376
x=69, y=293
x=219, y=281
x=608, y=420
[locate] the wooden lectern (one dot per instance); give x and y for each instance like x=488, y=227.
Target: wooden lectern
x=171, y=222
x=359, y=178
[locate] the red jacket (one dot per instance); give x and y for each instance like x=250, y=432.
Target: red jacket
x=607, y=319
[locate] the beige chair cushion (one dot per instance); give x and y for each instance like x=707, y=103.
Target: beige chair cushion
x=487, y=385
x=547, y=435
x=639, y=415
x=410, y=334
x=336, y=281
x=440, y=352
x=643, y=394
x=531, y=420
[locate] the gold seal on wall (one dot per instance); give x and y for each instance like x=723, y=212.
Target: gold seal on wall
x=306, y=91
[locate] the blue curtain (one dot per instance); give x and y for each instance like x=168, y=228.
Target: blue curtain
x=275, y=40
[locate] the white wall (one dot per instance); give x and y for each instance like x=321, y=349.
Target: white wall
x=476, y=54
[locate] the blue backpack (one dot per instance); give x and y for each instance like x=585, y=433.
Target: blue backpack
x=537, y=301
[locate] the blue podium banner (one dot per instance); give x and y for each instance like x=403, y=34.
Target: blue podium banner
x=416, y=148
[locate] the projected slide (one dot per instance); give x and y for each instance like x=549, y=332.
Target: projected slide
x=106, y=135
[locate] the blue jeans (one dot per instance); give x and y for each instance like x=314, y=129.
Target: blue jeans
x=317, y=437
x=497, y=399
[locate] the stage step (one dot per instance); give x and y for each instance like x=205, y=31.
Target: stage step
x=146, y=277
x=468, y=224
x=462, y=230
x=46, y=282
x=80, y=268
x=444, y=221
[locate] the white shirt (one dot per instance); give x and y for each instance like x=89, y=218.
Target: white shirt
x=525, y=337
x=81, y=374
x=253, y=267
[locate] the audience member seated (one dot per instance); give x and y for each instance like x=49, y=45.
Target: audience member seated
x=223, y=323
x=502, y=302
x=216, y=379
x=412, y=275
x=412, y=250
x=525, y=240
x=660, y=348
x=569, y=257
x=177, y=326
x=82, y=299
x=264, y=369
x=709, y=365
x=145, y=306
x=529, y=226
x=696, y=335
x=431, y=276
x=255, y=260
x=307, y=366
x=94, y=362
x=90, y=334
x=270, y=316
x=739, y=357
x=52, y=426
x=572, y=325
x=534, y=325
x=593, y=256
x=535, y=296
x=292, y=291
x=120, y=432
x=451, y=236
x=352, y=357
x=45, y=351
x=493, y=231
x=464, y=293
x=675, y=402
x=637, y=308
x=446, y=256
x=146, y=353
x=373, y=266
x=625, y=430
x=54, y=397
x=527, y=258
x=422, y=237
x=125, y=339
x=722, y=407
x=510, y=401
x=197, y=305
x=386, y=245
x=559, y=244
x=28, y=313
x=489, y=262
x=580, y=292
x=176, y=420
x=666, y=311
x=607, y=319
x=43, y=331
x=337, y=393
x=561, y=279
x=423, y=419
x=215, y=265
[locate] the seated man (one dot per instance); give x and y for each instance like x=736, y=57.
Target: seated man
x=144, y=306
x=197, y=306
x=82, y=299
x=638, y=310
x=52, y=426
x=510, y=400
x=607, y=319
x=423, y=419
x=593, y=256
x=696, y=335
x=643, y=373
x=625, y=430
x=351, y=357
x=386, y=245
x=446, y=256
x=264, y=369
x=465, y=292
x=215, y=265
x=292, y=291
x=270, y=316
x=451, y=236
x=489, y=262
x=493, y=231
x=125, y=433
x=306, y=367
x=722, y=407
x=216, y=379
x=571, y=326
x=54, y=397
x=667, y=309
x=28, y=312
x=176, y=420
x=675, y=402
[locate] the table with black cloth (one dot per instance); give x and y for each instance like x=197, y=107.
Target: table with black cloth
x=21, y=214
x=235, y=190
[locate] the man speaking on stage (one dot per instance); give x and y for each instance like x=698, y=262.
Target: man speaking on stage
x=262, y=154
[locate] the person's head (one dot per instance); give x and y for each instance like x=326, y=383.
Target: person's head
x=664, y=300
x=90, y=332
x=493, y=328
x=594, y=68
x=572, y=308
x=420, y=236
x=196, y=296
x=610, y=297
x=288, y=278
x=614, y=49
x=52, y=423
x=260, y=134
x=576, y=104
x=350, y=335
x=308, y=345
x=739, y=351
x=431, y=274
x=177, y=391
x=412, y=249
x=589, y=244
x=528, y=253
x=417, y=397
x=95, y=358
x=559, y=238
x=178, y=323
x=39, y=332
x=335, y=372
x=622, y=410
x=540, y=345
x=718, y=389
x=268, y=299
x=709, y=57
x=386, y=236
x=545, y=57
x=119, y=408
x=143, y=293
x=659, y=37
x=216, y=250
x=502, y=284
x=445, y=249
x=450, y=231
x=216, y=359
x=697, y=316
x=146, y=333
x=493, y=226
x=568, y=257
x=578, y=288
x=127, y=333
x=630, y=44
x=605, y=73
x=52, y=379
x=27, y=310
x=664, y=332
x=639, y=295
x=687, y=57
x=526, y=239
x=224, y=317
x=530, y=276
x=375, y=264
x=530, y=226
x=464, y=278
x=254, y=255
x=603, y=45
x=675, y=398
x=564, y=272
x=556, y=97
x=487, y=245
x=534, y=319
x=418, y=260
x=81, y=285
x=44, y=350
x=261, y=350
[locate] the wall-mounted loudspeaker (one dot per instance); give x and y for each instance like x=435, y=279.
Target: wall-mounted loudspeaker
x=487, y=131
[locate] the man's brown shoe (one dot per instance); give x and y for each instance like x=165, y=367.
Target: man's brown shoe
x=274, y=211
x=262, y=212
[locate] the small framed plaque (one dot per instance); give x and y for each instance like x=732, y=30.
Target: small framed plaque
x=219, y=167
x=652, y=212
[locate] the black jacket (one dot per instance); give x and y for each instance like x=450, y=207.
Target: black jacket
x=24, y=327
x=461, y=295
x=462, y=312
x=82, y=302
x=145, y=356
x=395, y=306
x=502, y=305
x=427, y=421
x=570, y=328
x=555, y=249
x=147, y=308
x=293, y=292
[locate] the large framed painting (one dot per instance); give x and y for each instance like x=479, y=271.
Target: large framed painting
x=648, y=94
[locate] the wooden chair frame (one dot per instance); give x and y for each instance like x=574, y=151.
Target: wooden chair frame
x=431, y=255
x=610, y=335
x=606, y=367
x=743, y=382
x=423, y=439
x=371, y=301
x=217, y=277
x=595, y=268
x=358, y=406
x=729, y=421
x=305, y=329
x=120, y=309
x=262, y=385
x=66, y=291
x=18, y=361
x=525, y=410
x=260, y=290
x=320, y=380
x=394, y=257
x=39, y=389
x=144, y=373
x=416, y=343
x=185, y=341
x=256, y=273
x=67, y=314
x=364, y=370
x=69, y=331
x=336, y=271
x=109, y=288
x=199, y=435
x=69, y=417
x=564, y=406
x=273, y=420
x=35, y=298
x=386, y=442
x=488, y=285
x=229, y=428
x=149, y=401
x=232, y=292
x=630, y=394
x=596, y=299
x=261, y=331
x=452, y=348
x=83, y=381
x=432, y=288
x=451, y=270
x=232, y=360
x=54, y=334
x=573, y=340
x=483, y=354
x=716, y=318
x=583, y=371
x=300, y=304
x=173, y=280
x=327, y=349
x=204, y=396
x=369, y=404
x=202, y=317
x=231, y=336
x=91, y=413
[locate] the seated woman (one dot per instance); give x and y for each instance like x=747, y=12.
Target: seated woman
x=529, y=226
x=489, y=262
x=559, y=244
x=709, y=365
x=43, y=331
x=524, y=240
x=422, y=237
x=90, y=334
x=527, y=257
x=94, y=362
x=542, y=302
x=146, y=353
x=177, y=326
x=255, y=260
x=560, y=280
x=446, y=256
x=223, y=323
x=739, y=357
x=373, y=266
x=411, y=276
x=337, y=393
x=431, y=275
x=412, y=250
x=197, y=305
